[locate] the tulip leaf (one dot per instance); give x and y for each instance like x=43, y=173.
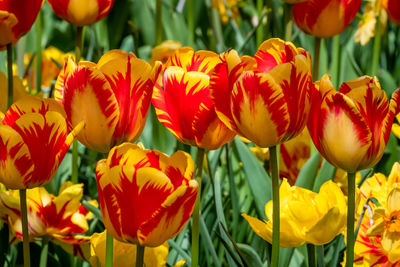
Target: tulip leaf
x=208, y=242
x=308, y=172
x=257, y=178
x=326, y=173
x=250, y=255
x=285, y=256
x=180, y=251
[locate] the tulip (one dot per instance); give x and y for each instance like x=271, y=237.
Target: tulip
x=393, y=9
x=81, y=13
x=60, y=217
x=265, y=98
x=145, y=196
x=325, y=18
x=124, y=253
x=377, y=242
x=17, y=18
x=351, y=127
x=18, y=90
x=184, y=105
x=306, y=217
x=164, y=51
x=33, y=141
x=112, y=97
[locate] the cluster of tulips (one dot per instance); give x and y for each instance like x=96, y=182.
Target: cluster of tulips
x=204, y=99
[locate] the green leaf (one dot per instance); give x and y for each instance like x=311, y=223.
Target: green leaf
x=257, y=178
x=308, y=172
x=326, y=173
x=250, y=255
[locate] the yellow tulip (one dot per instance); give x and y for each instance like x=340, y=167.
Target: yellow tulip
x=306, y=217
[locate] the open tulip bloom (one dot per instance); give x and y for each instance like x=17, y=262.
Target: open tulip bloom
x=112, y=97
x=145, y=196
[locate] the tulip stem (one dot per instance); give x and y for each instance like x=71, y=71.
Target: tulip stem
x=44, y=252
x=335, y=67
x=311, y=255
x=317, y=49
x=109, y=250
x=190, y=16
x=196, y=209
x=39, y=52
x=78, y=51
x=289, y=22
x=10, y=75
x=276, y=209
x=350, y=218
x=139, y=255
x=377, y=44
x=260, y=29
x=25, y=233
x=158, y=38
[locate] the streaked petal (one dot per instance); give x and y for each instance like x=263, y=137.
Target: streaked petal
x=170, y=219
x=260, y=110
x=187, y=59
x=59, y=87
x=87, y=85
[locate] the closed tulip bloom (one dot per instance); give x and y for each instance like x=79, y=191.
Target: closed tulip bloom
x=16, y=19
x=81, y=13
x=184, y=104
x=112, y=97
x=266, y=98
x=306, y=217
x=145, y=196
x=325, y=18
x=393, y=9
x=351, y=127
x=62, y=218
x=124, y=254
x=33, y=141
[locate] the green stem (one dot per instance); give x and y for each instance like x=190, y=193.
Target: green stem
x=320, y=256
x=217, y=29
x=289, y=22
x=39, y=53
x=20, y=56
x=78, y=51
x=275, y=210
x=10, y=75
x=190, y=14
x=196, y=209
x=350, y=218
x=44, y=252
x=139, y=255
x=109, y=250
x=260, y=30
x=377, y=45
x=158, y=37
x=25, y=233
x=317, y=48
x=234, y=194
x=335, y=68
x=311, y=255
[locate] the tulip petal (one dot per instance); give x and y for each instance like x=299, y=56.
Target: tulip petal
x=87, y=85
x=15, y=160
x=188, y=60
x=318, y=234
x=273, y=52
x=221, y=85
x=45, y=138
x=179, y=168
x=132, y=81
x=59, y=87
x=295, y=81
x=170, y=219
x=190, y=88
x=260, y=110
x=345, y=149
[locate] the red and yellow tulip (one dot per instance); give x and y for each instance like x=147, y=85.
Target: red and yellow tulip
x=33, y=141
x=81, y=13
x=112, y=97
x=184, y=104
x=145, y=196
x=377, y=243
x=393, y=9
x=164, y=51
x=16, y=19
x=306, y=217
x=266, y=98
x=124, y=254
x=61, y=217
x=351, y=127
x=325, y=18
